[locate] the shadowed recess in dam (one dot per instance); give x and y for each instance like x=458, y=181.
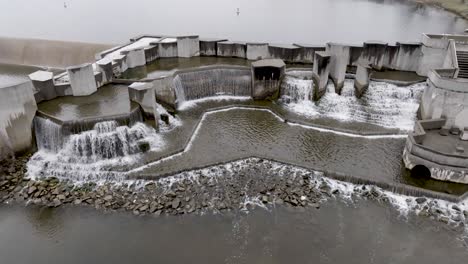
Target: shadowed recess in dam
x=90, y=155
x=383, y=104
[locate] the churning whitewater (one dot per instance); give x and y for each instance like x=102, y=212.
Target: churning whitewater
x=90, y=155
x=383, y=104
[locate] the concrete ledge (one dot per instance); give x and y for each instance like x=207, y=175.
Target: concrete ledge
x=43, y=83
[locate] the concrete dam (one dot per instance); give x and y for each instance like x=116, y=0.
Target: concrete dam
x=137, y=126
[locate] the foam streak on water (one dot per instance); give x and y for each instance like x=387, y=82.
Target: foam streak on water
x=383, y=104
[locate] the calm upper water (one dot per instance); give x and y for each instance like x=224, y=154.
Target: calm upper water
x=275, y=21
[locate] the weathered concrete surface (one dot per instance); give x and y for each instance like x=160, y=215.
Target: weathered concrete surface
x=305, y=53
x=232, y=49
x=446, y=97
x=17, y=110
x=209, y=47
x=51, y=53
x=408, y=57
x=105, y=67
x=168, y=49
x=257, y=51
x=321, y=69
x=287, y=53
x=426, y=147
x=339, y=60
x=151, y=52
x=134, y=58
x=362, y=80
x=188, y=46
x=374, y=54
x=266, y=78
x=165, y=92
x=143, y=94
x=43, y=82
x=82, y=79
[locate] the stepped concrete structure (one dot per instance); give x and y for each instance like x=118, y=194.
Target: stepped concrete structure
x=439, y=145
x=443, y=59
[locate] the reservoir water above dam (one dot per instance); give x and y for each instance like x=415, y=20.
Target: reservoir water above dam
x=172, y=157
x=274, y=21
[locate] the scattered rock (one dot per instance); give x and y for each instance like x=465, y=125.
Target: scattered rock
x=421, y=200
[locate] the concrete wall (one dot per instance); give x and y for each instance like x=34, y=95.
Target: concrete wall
x=143, y=94
x=209, y=47
x=232, y=49
x=321, y=69
x=266, y=78
x=165, y=92
x=188, y=46
x=168, y=50
x=447, y=98
x=51, y=53
x=257, y=51
x=17, y=110
x=82, y=79
x=134, y=58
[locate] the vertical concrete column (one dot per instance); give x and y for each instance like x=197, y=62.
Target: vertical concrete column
x=134, y=58
x=188, y=46
x=105, y=67
x=143, y=94
x=321, y=70
x=151, y=53
x=43, y=82
x=257, y=51
x=339, y=60
x=361, y=83
x=374, y=54
x=82, y=79
x=266, y=78
x=17, y=110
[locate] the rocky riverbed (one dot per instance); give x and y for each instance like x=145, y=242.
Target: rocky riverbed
x=238, y=185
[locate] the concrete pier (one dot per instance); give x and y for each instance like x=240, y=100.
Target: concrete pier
x=374, y=54
x=43, y=82
x=143, y=94
x=339, y=60
x=134, y=58
x=188, y=46
x=362, y=80
x=321, y=72
x=105, y=67
x=266, y=78
x=82, y=79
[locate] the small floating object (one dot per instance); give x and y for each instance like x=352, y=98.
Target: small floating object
x=238, y=12
x=64, y=5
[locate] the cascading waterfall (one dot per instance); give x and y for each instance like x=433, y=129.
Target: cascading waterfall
x=92, y=155
x=295, y=90
x=49, y=135
x=383, y=104
x=211, y=82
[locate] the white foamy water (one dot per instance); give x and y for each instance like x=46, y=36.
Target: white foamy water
x=383, y=104
x=92, y=155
